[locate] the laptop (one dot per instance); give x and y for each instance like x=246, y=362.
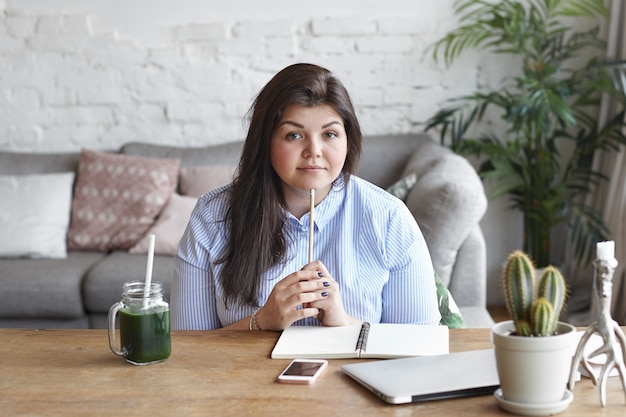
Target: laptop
x=424, y=378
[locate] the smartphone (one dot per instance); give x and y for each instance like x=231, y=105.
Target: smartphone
x=303, y=371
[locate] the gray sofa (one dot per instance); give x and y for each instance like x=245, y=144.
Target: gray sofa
x=447, y=200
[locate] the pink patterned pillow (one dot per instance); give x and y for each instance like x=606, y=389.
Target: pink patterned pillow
x=117, y=198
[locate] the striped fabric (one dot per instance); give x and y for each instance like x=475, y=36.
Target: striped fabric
x=367, y=239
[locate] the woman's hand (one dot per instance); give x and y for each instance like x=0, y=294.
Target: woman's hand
x=330, y=306
x=314, y=289
x=300, y=288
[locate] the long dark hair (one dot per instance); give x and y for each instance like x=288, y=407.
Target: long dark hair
x=255, y=217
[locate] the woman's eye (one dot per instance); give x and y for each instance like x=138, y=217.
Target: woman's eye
x=331, y=135
x=293, y=136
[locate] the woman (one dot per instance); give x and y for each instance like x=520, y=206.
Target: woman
x=242, y=262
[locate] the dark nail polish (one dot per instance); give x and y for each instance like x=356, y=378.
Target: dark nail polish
x=320, y=274
x=324, y=294
x=326, y=284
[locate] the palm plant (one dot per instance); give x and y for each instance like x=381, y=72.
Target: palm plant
x=543, y=162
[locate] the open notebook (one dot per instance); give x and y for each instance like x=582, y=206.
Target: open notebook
x=376, y=340
x=423, y=378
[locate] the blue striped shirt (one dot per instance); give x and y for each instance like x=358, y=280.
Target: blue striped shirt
x=367, y=239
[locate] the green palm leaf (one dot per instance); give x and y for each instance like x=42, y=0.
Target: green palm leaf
x=543, y=161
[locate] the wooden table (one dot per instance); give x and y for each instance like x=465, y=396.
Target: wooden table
x=221, y=373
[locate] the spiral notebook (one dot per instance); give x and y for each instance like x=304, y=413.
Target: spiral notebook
x=376, y=340
x=425, y=378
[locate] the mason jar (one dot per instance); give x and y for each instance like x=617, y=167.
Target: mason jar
x=144, y=320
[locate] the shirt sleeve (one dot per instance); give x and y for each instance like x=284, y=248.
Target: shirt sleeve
x=192, y=303
x=410, y=295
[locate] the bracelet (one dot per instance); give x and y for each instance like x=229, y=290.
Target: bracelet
x=253, y=323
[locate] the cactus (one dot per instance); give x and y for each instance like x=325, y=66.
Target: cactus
x=542, y=317
x=534, y=305
x=552, y=286
x=519, y=287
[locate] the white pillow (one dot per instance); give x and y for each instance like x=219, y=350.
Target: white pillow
x=35, y=215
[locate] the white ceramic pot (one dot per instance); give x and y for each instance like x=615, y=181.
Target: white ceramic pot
x=533, y=370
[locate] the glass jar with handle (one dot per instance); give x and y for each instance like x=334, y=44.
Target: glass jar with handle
x=144, y=320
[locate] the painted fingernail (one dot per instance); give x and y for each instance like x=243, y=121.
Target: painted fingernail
x=326, y=284
x=324, y=294
x=320, y=274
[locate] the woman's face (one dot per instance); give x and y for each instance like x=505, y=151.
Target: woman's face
x=308, y=149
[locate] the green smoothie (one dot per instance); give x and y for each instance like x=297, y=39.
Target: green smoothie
x=145, y=337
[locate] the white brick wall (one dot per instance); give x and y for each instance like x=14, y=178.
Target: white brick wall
x=189, y=79
x=85, y=74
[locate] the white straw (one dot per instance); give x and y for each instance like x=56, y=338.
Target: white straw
x=311, y=225
x=146, y=289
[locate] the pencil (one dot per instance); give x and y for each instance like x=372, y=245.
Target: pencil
x=311, y=225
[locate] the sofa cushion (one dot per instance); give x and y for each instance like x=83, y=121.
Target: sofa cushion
x=222, y=154
x=117, y=198
x=22, y=163
x=102, y=286
x=198, y=180
x=35, y=214
x=384, y=157
x=50, y=288
x=382, y=161
x=169, y=226
x=448, y=201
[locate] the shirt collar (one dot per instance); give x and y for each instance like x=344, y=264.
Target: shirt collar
x=326, y=209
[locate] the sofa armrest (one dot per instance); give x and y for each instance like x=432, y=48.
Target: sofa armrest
x=468, y=283
x=447, y=201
